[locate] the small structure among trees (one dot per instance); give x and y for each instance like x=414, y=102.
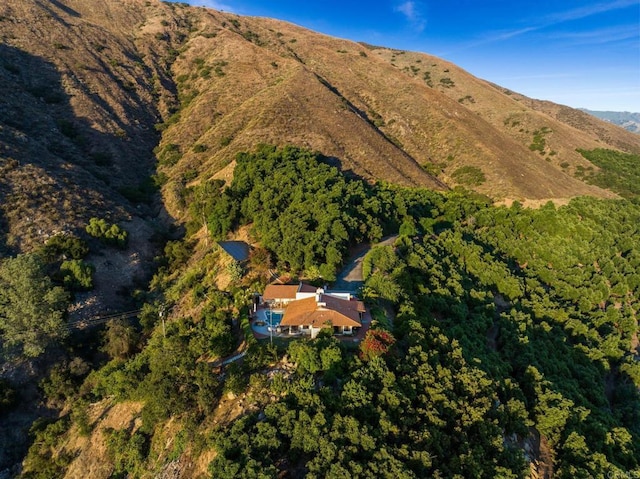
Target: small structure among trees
x=238, y=250
x=308, y=310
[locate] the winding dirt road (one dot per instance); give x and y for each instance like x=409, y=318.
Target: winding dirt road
x=350, y=278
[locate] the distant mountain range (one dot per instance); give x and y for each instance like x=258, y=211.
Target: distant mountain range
x=628, y=121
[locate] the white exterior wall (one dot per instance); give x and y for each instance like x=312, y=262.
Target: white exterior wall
x=304, y=295
x=346, y=296
x=315, y=331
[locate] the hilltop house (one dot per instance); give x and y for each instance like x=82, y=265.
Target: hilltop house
x=280, y=295
x=307, y=309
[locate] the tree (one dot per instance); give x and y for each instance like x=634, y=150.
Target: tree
x=235, y=270
x=376, y=343
x=31, y=307
x=120, y=339
x=77, y=275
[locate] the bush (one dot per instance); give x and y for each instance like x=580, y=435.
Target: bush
x=110, y=234
x=63, y=245
x=169, y=155
x=120, y=339
x=41, y=461
x=447, y=82
x=199, y=148
x=235, y=271
x=376, y=343
x=539, y=143
x=77, y=275
x=7, y=396
x=469, y=176
x=143, y=192
x=127, y=451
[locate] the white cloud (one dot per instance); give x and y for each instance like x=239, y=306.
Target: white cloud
x=412, y=13
x=408, y=9
x=590, y=10
x=556, y=19
x=600, y=36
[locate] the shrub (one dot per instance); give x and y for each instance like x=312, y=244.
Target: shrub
x=447, y=82
x=7, y=396
x=169, y=155
x=177, y=253
x=120, y=339
x=469, y=176
x=127, y=451
x=376, y=343
x=235, y=271
x=427, y=78
x=109, y=234
x=77, y=275
x=101, y=158
x=64, y=245
x=539, y=143
x=41, y=461
x=199, y=148
x=141, y=193
x=68, y=129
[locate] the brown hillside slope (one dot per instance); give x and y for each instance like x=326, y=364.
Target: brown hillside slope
x=80, y=89
x=515, y=115
x=84, y=83
x=379, y=112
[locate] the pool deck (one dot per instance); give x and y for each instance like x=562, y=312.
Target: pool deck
x=262, y=331
x=261, y=315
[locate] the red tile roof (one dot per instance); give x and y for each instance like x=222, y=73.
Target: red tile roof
x=307, y=288
x=337, y=311
x=280, y=291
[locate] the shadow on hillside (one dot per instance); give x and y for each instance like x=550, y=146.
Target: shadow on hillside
x=83, y=171
x=54, y=14
x=4, y=251
x=58, y=170
x=337, y=163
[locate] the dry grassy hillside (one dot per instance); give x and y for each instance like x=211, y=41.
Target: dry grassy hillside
x=97, y=96
x=379, y=112
x=84, y=83
x=80, y=90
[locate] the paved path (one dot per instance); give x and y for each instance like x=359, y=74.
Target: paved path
x=350, y=278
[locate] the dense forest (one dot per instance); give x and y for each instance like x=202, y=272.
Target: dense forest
x=502, y=336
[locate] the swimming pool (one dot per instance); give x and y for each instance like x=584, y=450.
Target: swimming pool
x=274, y=318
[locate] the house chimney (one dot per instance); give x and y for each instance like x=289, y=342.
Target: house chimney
x=319, y=293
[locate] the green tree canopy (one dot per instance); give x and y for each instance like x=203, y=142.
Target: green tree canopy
x=31, y=307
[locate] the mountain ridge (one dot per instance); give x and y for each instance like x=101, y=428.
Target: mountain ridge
x=227, y=82
x=628, y=120
x=119, y=109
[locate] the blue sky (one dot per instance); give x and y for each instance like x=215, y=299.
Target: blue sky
x=574, y=52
